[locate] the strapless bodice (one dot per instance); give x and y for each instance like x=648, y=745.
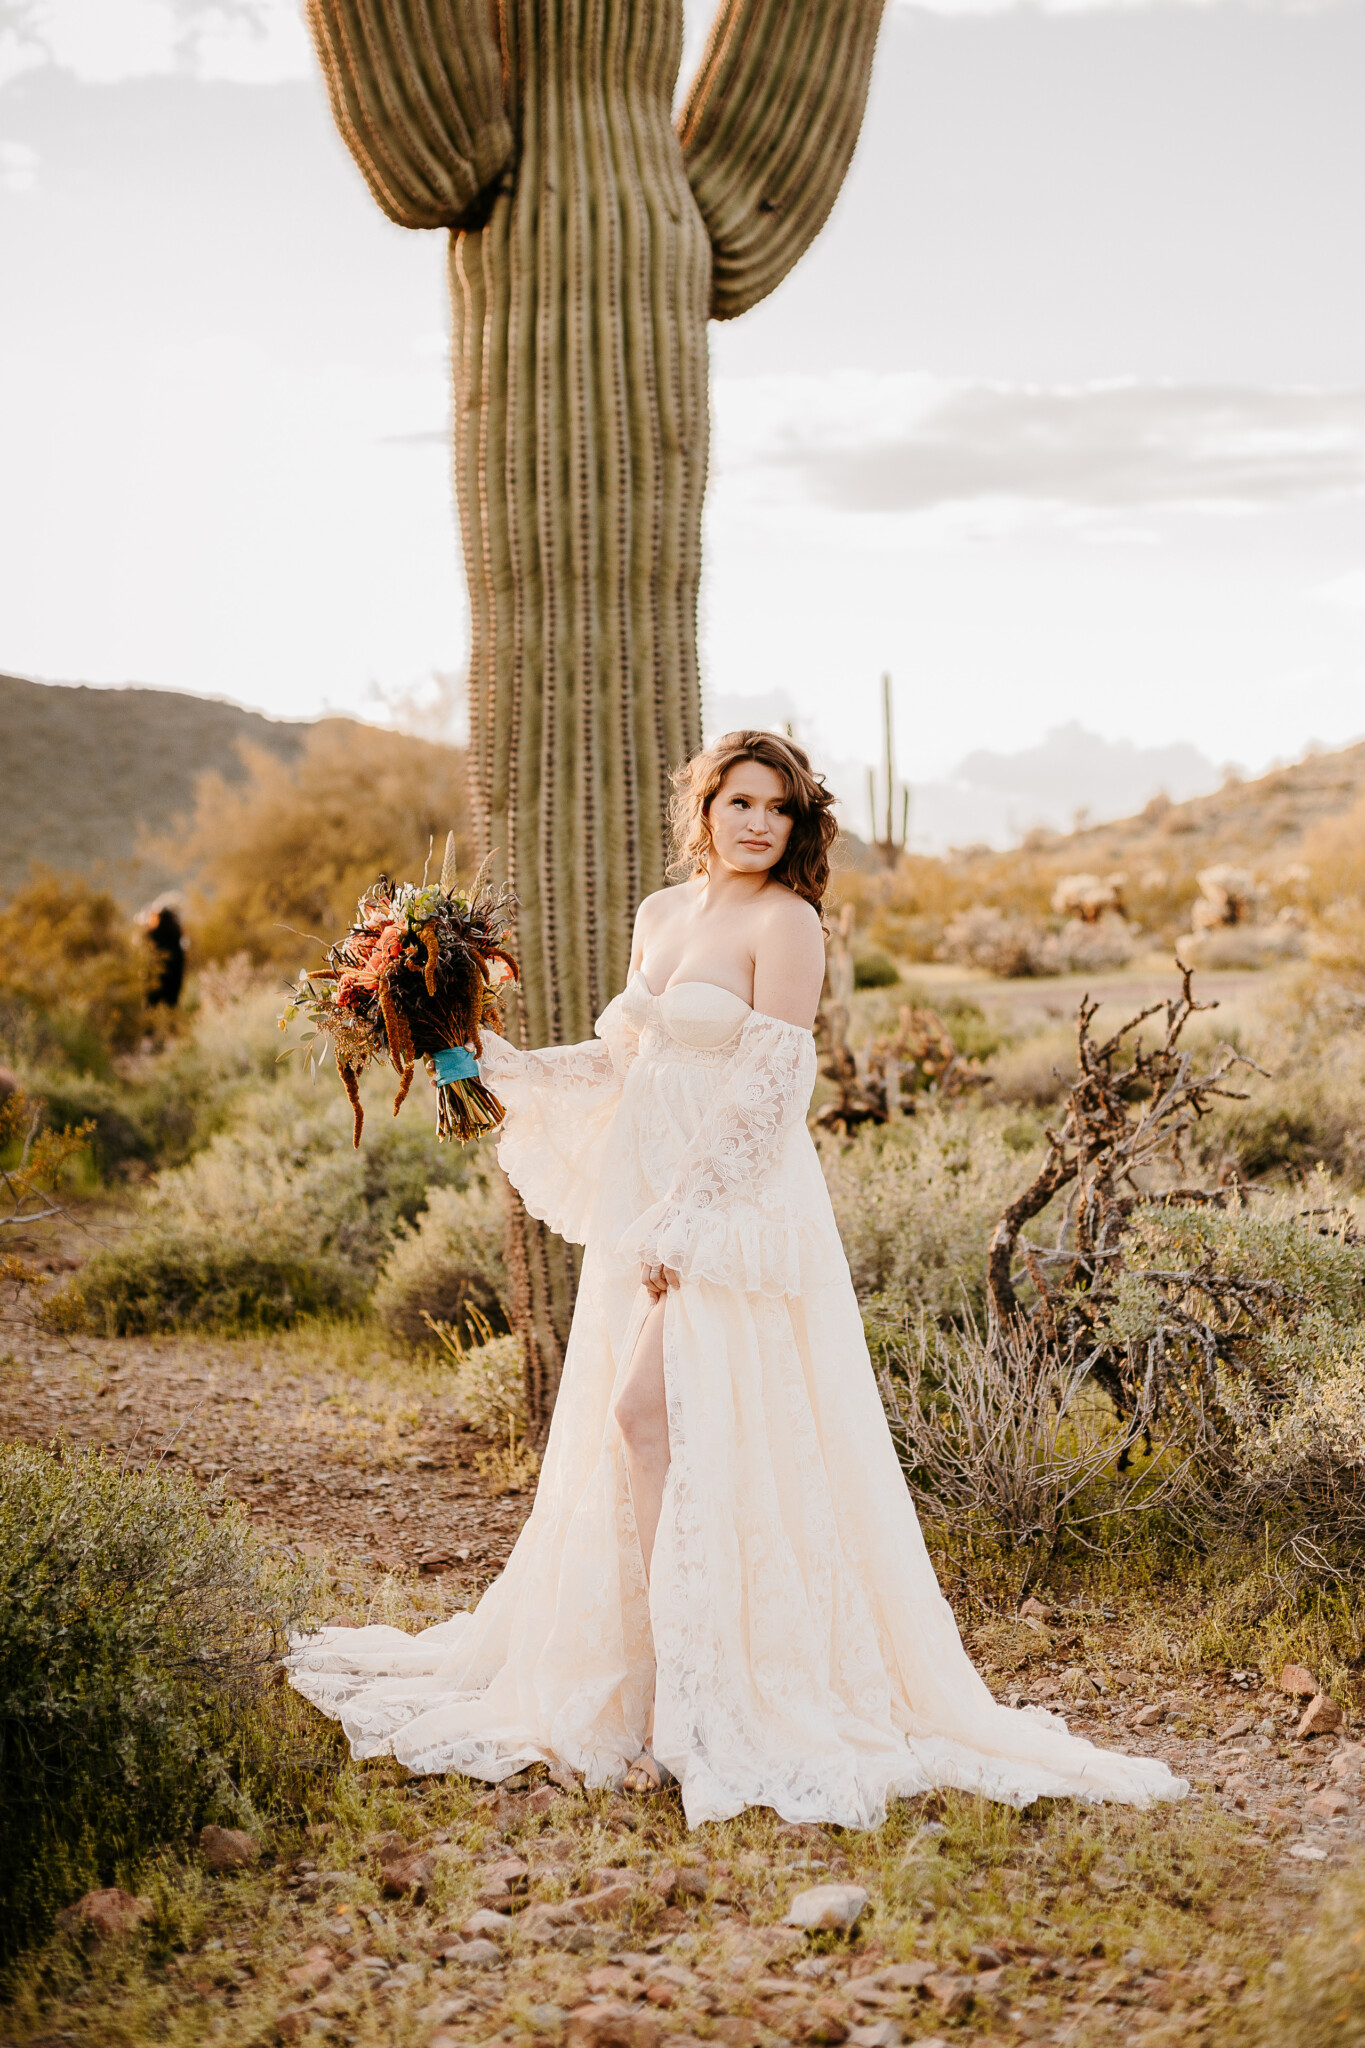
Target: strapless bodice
x=690, y=1020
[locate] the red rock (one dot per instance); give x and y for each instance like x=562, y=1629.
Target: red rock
x=316, y=1969
x=404, y=1876
x=295, y=2024
x=826, y=2024
x=541, y=1800
x=670, y=1882
x=611, y=1980
x=435, y=1563
x=603, y=1904
x=386, y=1845
x=951, y=1994
x=737, y=2032
x=1322, y=1717
x=1298, y=1682
x=105, y=1914
x=487, y=1926
x=228, y=1849
x=611, y=2026
x=905, y=1976
x=1329, y=1804
x=1149, y=1717
x=1038, y=1609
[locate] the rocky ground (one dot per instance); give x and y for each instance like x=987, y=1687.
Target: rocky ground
x=437, y=1913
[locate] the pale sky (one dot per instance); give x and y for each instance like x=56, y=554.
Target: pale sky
x=1063, y=418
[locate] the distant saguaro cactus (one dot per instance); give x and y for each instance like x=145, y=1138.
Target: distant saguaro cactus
x=590, y=241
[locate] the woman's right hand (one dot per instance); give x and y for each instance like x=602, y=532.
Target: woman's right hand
x=656, y=1281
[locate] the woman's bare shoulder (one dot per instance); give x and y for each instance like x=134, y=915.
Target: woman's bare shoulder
x=786, y=913
x=663, y=903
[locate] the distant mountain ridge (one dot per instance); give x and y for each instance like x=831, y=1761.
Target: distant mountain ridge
x=1249, y=823
x=83, y=771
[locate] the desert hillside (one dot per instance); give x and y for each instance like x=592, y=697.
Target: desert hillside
x=83, y=771
x=1249, y=823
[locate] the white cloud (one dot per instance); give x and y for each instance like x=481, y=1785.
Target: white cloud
x=904, y=445
x=261, y=42
x=248, y=42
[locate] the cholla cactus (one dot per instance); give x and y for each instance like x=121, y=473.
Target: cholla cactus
x=589, y=243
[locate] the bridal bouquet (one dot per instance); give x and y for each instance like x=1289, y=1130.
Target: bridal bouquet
x=416, y=977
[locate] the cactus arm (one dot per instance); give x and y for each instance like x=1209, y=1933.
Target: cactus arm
x=416, y=89
x=768, y=131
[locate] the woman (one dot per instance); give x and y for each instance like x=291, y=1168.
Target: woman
x=723, y=1577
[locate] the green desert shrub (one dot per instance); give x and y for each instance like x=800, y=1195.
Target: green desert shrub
x=140, y=1628
x=916, y=1203
x=490, y=1378
x=875, y=970
x=74, y=978
x=1037, y=1071
x=448, y=1263
x=1315, y=2001
x=277, y=1216
x=160, y=1279
x=1310, y=1113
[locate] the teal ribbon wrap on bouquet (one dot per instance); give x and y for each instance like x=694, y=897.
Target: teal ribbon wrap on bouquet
x=454, y=1063
x=465, y=1108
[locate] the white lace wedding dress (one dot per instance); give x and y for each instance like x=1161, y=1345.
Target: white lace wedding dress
x=792, y=1638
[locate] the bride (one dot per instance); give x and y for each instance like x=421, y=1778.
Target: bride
x=723, y=1578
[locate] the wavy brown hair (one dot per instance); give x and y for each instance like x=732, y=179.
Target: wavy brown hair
x=804, y=867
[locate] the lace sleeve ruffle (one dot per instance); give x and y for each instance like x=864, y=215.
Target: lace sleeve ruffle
x=726, y=1217
x=560, y=1102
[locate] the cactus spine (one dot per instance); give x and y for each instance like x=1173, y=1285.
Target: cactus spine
x=590, y=241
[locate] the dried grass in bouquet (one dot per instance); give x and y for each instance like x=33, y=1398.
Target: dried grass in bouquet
x=416, y=977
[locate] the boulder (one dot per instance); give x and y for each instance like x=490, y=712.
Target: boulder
x=1298, y=1682
x=1322, y=1716
x=1329, y=1804
x=105, y=1914
x=835, y=1907
x=226, y=1849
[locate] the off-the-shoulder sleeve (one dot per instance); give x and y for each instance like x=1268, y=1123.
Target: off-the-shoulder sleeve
x=725, y=1217
x=560, y=1101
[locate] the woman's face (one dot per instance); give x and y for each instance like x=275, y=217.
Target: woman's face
x=749, y=818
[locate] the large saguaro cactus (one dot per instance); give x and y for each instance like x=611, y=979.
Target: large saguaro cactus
x=590, y=242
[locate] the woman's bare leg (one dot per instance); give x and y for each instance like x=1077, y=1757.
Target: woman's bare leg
x=642, y=1417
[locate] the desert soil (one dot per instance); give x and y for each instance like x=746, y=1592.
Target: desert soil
x=1065, y=1925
